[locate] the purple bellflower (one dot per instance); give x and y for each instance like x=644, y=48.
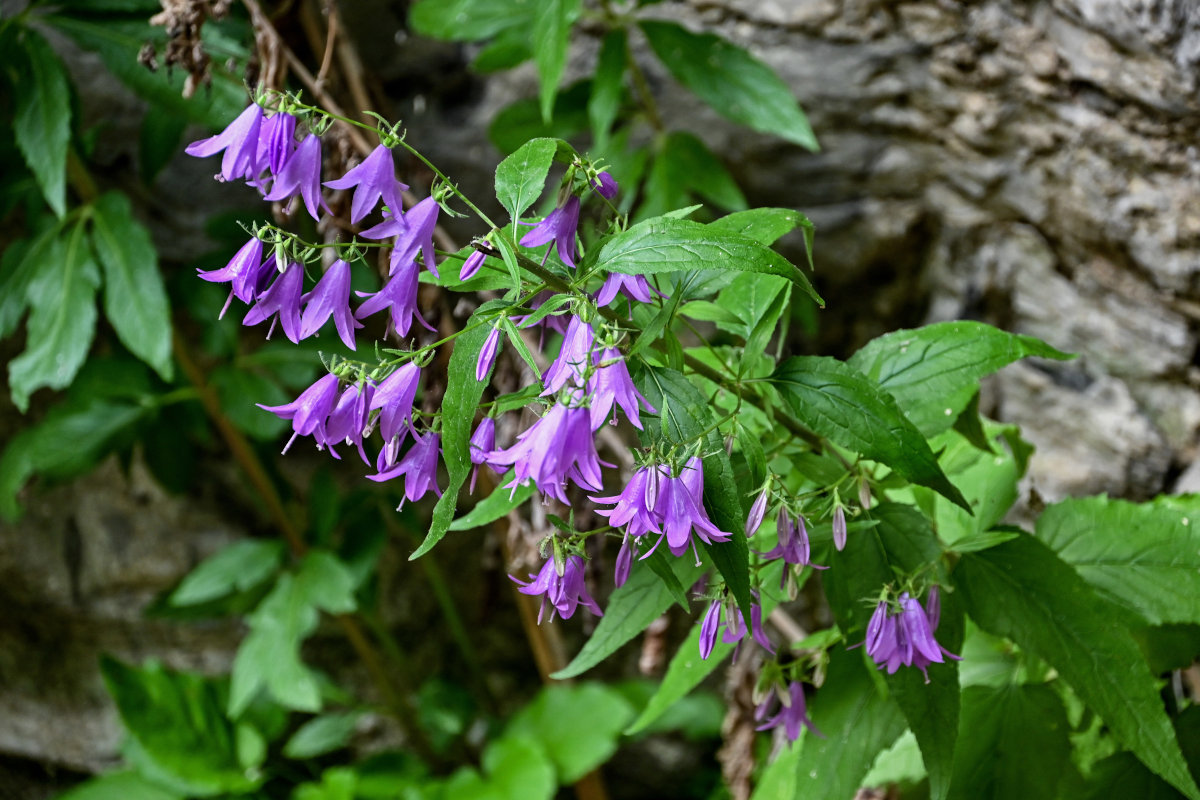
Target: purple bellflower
x=758, y=510
x=565, y=592
x=419, y=468
x=301, y=175
x=904, y=638
x=413, y=232
x=349, y=419
x=371, y=180
x=735, y=628
x=793, y=545
x=556, y=448
x=605, y=185
x=482, y=443
x=635, y=287
x=839, y=528
x=792, y=712
x=487, y=354
x=276, y=141
x=331, y=297
x=399, y=297
x=310, y=410
x=558, y=227
x=572, y=357
x=246, y=273
x=394, y=397
x=634, y=506
x=611, y=383
x=681, y=506
x=624, y=563
x=282, y=298
x=240, y=143
x=471, y=265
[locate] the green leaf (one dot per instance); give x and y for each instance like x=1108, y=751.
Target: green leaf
x=552, y=20
x=135, y=300
x=630, y=610
x=518, y=768
x=459, y=405
x=67, y=442
x=1143, y=556
x=42, y=123
x=522, y=121
x=753, y=298
x=238, y=568
x=119, y=786
x=159, y=142
x=521, y=177
x=675, y=245
x=988, y=480
x=1021, y=590
x=734, y=83
x=322, y=735
x=495, y=505
x=507, y=50
x=577, y=726
x=857, y=722
x=176, y=719
x=934, y=371
x=62, y=321
x=1013, y=743
x=326, y=583
x=239, y=390
x=763, y=225
x=607, y=88
x=684, y=164
x=468, y=20
x=18, y=265
x=1122, y=775
x=903, y=542
x=837, y=402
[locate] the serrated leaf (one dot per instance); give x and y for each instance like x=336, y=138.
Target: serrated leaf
x=577, y=726
x=1021, y=590
x=607, y=88
x=839, y=403
x=177, y=721
x=551, y=30
x=42, y=122
x=631, y=608
x=682, y=166
x=459, y=405
x=988, y=480
x=1143, y=556
x=468, y=20
x=135, y=300
x=322, y=735
x=734, y=83
x=1013, y=743
x=62, y=322
x=238, y=568
x=521, y=177
x=934, y=371
x=664, y=244
x=857, y=722
x=763, y=225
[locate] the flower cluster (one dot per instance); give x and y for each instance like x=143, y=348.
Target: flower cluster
x=904, y=635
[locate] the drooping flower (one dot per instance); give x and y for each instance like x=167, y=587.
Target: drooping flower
x=709, y=627
x=331, y=297
x=301, y=175
x=793, y=545
x=792, y=712
x=481, y=445
x=719, y=615
x=758, y=510
x=572, y=357
x=413, y=232
x=610, y=384
x=487, y=354
x=399, y=297
x=904, y=637
x=555, y=449
x=310, y=410
x=605, y=185
x=635, y=287
x=624, y=564
x=282, y=298
x=564, y=592
x=471, y=265
x=839, y=528
x=276, y=141
x=349, y=420
x=240, y=143
x=559, y=227
x=419, y=468
x=373, y=179
x=246, y=273
x=681, y=506
x=394, y=399
x=634, y=506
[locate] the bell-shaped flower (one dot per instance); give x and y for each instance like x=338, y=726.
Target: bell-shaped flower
x=610, y=384
x=487, y=354
x=413, y=232
x=394, y=399
x=480, y=447
x=419, y=468
x=681, y=507
x=633, y=506
x=240, y=143
x=373, y=179
x=310, y=411
x=710, y=626
x=605, y=185
x=788, y=710
x=330, y=297
x=471, y=265
x=301, y=175
x=558, y=227
x=758, y=510
x=349, y=420
x=555, y=449
x=904, y=637
x=719, y=615
x=399, y=297
x=793, y=545
x=282, y=298
x=564, y=592
x=635, y=287
x=624, y=564
x=276, y=141
x=572, y=358
x=839, y=528
x=246, y=273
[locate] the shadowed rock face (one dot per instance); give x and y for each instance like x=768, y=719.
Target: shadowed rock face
x=1030, y=164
